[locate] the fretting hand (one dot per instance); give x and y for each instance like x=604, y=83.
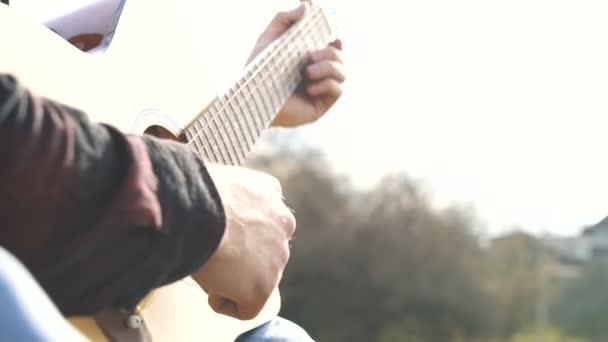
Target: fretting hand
x=322, y=77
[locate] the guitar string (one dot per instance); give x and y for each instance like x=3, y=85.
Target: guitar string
x=224, y=104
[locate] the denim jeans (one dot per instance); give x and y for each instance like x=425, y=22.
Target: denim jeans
x=277, y=330
x=28, y=314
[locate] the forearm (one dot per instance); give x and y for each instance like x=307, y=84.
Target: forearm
x=99, y=217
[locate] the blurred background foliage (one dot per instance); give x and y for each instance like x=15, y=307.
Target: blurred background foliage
x=382, y=264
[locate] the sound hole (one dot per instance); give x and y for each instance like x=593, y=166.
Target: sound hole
x=86, y=41
x=161, y=132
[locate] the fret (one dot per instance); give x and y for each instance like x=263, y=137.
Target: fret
x=195, y=146
x=294, y=73
x=282, y=69
x=278, y=80
x=209, y=136
x=197, y=129
x=202, y=144
x=282, y=62
x=229, y=95
x=234, y=116
x=232, y=93
x=212, y=130
x=221, y=101
x=217, y=105
x=201, y=150
x=261, y=109
x=274, y=88
x=245, y=121
x=248, y=120
x=316, y=38
x=201, y=139
x=248, y=75
x=220, y=132
x=292, y=53
x=251, y=108
x=239, y=143
x=286, y=62
x=240, y=84
x=196, y=138
x=324, y=26
x=268, y=88
x=204, y=139
x=241, y=137
x=263, y=98
x=261, y=60
x=205, y=150
x=189, y=136
x=323, y=31
x=227, y=137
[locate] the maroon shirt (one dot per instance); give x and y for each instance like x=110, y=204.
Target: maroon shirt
x=99, y=217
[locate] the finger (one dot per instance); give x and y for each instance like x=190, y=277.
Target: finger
x=326, y=69
x=230, y=308
x=276, y=184
x=327, y=87
x=287, y=221
x=329, y=53
x=284, y=20
x=337, y=44
x=223, y=306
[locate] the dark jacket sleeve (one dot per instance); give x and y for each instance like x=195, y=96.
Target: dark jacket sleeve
x=99, y=217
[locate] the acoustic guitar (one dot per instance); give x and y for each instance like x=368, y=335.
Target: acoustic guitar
x=147, y=75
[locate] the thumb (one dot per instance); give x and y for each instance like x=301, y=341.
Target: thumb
x=284, y=20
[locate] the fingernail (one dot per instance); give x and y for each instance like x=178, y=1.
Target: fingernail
x=338, y=44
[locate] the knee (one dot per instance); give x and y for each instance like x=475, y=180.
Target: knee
x=8, y=265
x=277, y=330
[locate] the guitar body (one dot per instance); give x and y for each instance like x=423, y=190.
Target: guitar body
x=179, y=312
x=159, y=70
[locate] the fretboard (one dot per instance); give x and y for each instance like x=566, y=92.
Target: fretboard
x=228, y=128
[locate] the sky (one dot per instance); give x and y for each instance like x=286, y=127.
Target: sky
x=498, y=105
x=501, y=105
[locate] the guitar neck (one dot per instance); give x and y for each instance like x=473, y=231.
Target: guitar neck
x=227, y=129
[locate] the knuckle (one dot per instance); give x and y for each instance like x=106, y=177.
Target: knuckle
x=339, y=55
x=334, y=53
x=282, y=253
x=262, y=292
x=250, y=311
x=271, y=181
x=338, y=90
x=286, y=254
x=276, y=184
x=338, y=70
x=327, y=65
x=281, y=16
x=288, y=222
